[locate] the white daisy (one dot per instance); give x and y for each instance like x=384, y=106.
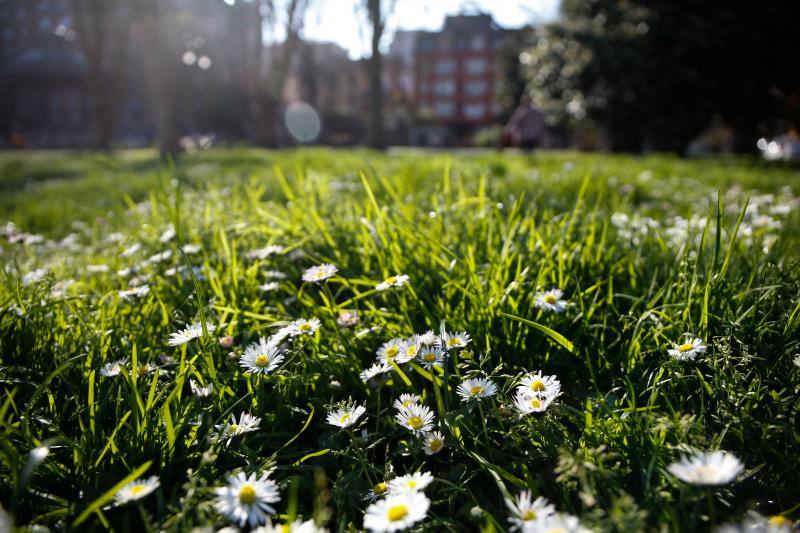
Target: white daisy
x=433, y=442
x=378, y=491
x=304, y=326
x=190, y=249
x=263, y=253
x=396, y=512
x=527, y=403
x=246, y=500
x=415, y=482
x=397, y=280
x=269, y=286
x=390, y=351
x=319, y=273
x=346, y=416
x=168, y=234
x=525, y=512
x=136, y=292
x=551, y=301
x=797, y=361
x=347, y=319
x=375, y=370
x=298, y=526
x=113, y=368
x=476, y=388
x=188, y=333
x=405, y=400
x=234, y=428
x=261, y=357
x=688, y=350
x=757, y=523
x=557, y=523
x=707, y=468
x=537, y=384
x=430, y=356
x=429, y=338
x=136, y=490
x=450, y=341
x=199, y=391
x=417, y=418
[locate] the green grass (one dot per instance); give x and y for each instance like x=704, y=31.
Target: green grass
x=479, y=235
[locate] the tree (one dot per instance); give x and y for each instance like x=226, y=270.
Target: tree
x=103, y=34
x=653, y=74
x=377, y=18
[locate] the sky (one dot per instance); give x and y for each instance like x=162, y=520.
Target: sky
x=343, y=21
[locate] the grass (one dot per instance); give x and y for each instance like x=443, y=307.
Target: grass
x=705, y=247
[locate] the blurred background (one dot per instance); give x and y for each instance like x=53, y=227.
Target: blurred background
x=686, y=76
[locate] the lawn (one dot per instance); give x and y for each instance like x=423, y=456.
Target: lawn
x=572, y=327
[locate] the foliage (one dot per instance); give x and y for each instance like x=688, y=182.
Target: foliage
x=645, y=251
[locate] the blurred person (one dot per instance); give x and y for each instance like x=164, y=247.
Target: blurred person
x=526, y=127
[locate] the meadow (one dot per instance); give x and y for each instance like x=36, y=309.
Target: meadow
x=339, y=340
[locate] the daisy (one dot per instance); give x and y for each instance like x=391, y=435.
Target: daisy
x=525, y=512
x=347, y=319
x=430, y=357
x=409, y=349
x=396, y=512
x=537, y=384
x=393, y=281
x=417, y=418
x=688, y=350
x=707, y=468
x=551, y=301
x=476, y=388
x=319, y=273
x=757, y=523
x=199, y=391
x=261, y=357
x=246, y=500
x=433, y=442
x=188, y=333
x=797, y=361
x=136, y=292
x=405, y=400
x=263, y=253
x=246, y=424
x=298, y=526
x=410, y=483
x=375, y=370
x=390, y=351
x=303, y=326
x=269, y=286
x=429, y=338
x=191, y=249
x=527, y=403
x=378, y=491
x=449, y=341
x=558, y=523
x=346, y=416
x=136, y=490
x=113, y=368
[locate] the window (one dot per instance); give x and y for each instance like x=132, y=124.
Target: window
x=445, y=109
x=475, y=88
x=445, y=66
x=478, y=42
x=444, y=88
x=476, y=65
x=474, y=111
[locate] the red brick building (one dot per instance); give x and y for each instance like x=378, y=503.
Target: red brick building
x=456, y=71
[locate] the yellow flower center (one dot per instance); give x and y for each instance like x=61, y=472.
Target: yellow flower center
x=305, y=326
x=536, y=403
x=344, y=418
x=319, y=274
x=411, y=350
x=453, y=341
x=474, y=391
x=779, y=521
x=398, y=512
x=247, y=494
x=429, y=357
x=391, y=280
x=538, y=386
x=685, y=347
x=415, y=422
x=137, y=489
x=232, y=428
x=530, y=514
x=435, y=445
x=411, y=484
x=262, y=361
x=550, y=299
x=142, y=370
x=391, y=352
x=380, y=488
x=286, y=528
x=407, y=403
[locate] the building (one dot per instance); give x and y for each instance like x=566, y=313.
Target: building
x=456, y=70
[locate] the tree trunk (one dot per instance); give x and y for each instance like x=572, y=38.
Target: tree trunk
x=375, y=67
